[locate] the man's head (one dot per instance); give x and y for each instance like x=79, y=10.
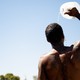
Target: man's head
x=54, y=33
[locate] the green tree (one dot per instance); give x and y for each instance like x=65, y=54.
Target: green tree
x=2, y=77
x=15, y=78
x=10, y=76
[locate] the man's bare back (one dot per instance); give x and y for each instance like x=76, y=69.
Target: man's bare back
x=63, y=65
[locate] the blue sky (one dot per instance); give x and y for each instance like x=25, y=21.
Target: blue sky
x=22, y=37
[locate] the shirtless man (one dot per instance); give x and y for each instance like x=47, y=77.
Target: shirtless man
x=62, y=62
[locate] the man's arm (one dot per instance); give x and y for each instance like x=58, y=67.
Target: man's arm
x=76, y=47
x=75, y=50
x=73, y=12
x=41, y=73
x=78, y=16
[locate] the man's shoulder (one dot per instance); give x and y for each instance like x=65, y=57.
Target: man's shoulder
x=51, y=56
x=76, y=54
x=76, y=46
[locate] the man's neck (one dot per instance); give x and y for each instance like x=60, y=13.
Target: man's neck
x=59, y=47
x=62, y=49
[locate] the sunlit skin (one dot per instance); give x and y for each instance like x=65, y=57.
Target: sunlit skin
x=61, y=65
x=62, y=62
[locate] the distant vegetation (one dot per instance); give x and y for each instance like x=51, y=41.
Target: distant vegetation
x=9, y=76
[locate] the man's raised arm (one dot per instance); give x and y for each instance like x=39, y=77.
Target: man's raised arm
x=73, y=12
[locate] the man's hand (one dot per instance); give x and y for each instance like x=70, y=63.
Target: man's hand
x=72, y=12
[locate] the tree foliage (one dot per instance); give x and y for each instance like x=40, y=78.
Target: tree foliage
x=2, y=77
x=9, y=76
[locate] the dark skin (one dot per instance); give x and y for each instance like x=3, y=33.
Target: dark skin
x=61, y=63
x=73, y=12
